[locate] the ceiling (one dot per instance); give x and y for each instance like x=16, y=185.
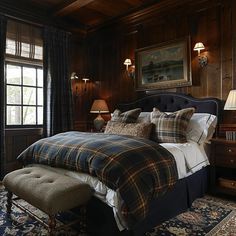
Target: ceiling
x=88, y=14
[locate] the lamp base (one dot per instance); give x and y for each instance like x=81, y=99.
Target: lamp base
x=98, y=122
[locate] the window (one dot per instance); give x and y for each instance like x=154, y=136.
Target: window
x=24, y=94
x=24, y=75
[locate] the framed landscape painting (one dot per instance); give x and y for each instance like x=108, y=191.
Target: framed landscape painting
x=164, y=66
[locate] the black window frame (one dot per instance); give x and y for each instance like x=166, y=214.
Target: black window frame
x=29, y=65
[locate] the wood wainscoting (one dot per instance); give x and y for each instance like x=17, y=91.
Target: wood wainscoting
x=16, y=141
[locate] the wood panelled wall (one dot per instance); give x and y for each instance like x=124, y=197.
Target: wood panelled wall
x=18, y=140
x=212, y=22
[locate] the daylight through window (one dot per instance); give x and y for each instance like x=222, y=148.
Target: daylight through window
x=24, y=92
x=24, y=75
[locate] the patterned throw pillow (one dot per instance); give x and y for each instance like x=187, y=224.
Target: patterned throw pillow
x=171, y=127
x=126, y=117
x=142, y=130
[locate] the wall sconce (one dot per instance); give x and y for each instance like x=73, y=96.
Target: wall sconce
x=85, y=83
x=74, y=76
x=202, y=60
x=129, y=68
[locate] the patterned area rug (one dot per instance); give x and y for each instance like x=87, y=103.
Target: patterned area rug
x=208, y=216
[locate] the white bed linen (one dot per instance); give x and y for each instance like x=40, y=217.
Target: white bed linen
x=189, y=157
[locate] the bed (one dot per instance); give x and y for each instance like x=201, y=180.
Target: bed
x=101, y=220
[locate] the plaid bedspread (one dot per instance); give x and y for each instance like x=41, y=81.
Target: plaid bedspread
x=138, y=169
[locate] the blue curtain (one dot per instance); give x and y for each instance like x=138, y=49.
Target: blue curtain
x=57, y=86
x=3, y=25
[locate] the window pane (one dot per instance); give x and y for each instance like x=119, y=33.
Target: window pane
x=29, y=115
x=29, y=76
x=25, y=49
x=24, y=93
x=40, y=115
x=10, y=46
x=29, y=96
x=13, y=115
x=13, y=94
x=40, y=77
x=40, y=96
x=38, y=52
x=13, y=74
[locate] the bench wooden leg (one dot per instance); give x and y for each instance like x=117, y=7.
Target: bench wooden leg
x=51, y=224
x=9, y=202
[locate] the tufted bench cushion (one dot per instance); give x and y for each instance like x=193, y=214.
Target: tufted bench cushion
x=48, y=191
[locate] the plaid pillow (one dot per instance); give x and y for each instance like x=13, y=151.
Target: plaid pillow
x=130, y=116
x=142, y=130
x=172, y=127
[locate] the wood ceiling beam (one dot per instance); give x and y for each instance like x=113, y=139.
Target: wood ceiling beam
x=71, y=6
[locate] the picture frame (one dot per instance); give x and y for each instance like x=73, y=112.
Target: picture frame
x=163, y=66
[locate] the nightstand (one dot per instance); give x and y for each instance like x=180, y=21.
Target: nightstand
x=223, y=166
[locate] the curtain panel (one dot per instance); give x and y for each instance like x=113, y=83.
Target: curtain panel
x=3, y=26
x=57, y=85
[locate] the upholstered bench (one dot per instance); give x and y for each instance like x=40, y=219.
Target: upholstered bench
x=46, y=190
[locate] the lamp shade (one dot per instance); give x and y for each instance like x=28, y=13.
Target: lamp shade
x=198, y=46
x=99, y=106
x=231, y=101
x=127, y=62
x=74, y=75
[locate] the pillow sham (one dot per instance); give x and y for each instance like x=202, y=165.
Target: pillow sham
x=144, y=117
x=130, y=116
x=201, y=127
x=142, y=130
x=172, y=127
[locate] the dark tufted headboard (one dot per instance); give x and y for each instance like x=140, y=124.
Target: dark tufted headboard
x=168, y=101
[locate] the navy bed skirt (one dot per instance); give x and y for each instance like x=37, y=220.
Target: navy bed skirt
x=102, y=223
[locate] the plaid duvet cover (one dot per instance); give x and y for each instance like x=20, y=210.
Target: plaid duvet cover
x=138, y=169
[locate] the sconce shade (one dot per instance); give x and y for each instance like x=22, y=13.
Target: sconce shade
x=127, y=62
x=198, y=46
x=99, y=106
x=74, y=75
x=231, y=101
x=85, y=80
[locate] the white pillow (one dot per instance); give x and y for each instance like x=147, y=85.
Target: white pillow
x=201, y=127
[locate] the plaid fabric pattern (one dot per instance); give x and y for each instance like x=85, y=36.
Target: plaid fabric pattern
x=138, y=169
x=172, y=127
x=130, y=116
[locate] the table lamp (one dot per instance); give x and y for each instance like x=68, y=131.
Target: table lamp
x=99, y=106
x=231, y=105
